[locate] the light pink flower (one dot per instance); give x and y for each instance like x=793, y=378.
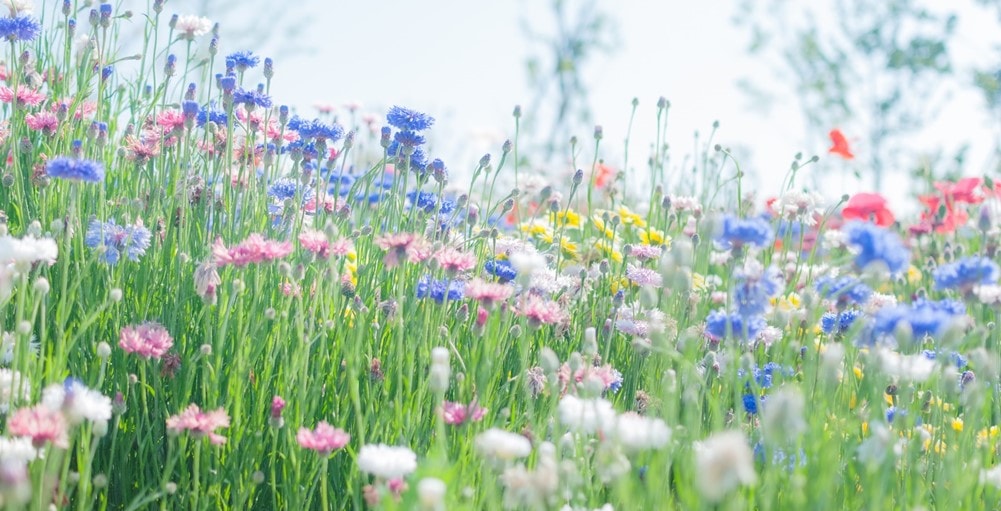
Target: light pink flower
x=46, y=122
x=254, y=249
x=143, y=148
x=41, y=424
x=200, y=423
x=542, y=312
x=315, y=242
x=454, y=261
x=206, y=280
x=82, y=109
x=488, y=292
x=24, y=95
x=171, y=120
x=404, y=244
x=645, y=252
x=148, y=340
x=644, y=276
x=325, y=439
x=456, y=414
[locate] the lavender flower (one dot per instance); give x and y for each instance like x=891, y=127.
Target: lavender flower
x=132, y=240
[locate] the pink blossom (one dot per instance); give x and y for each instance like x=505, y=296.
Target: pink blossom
x=200, y=423
x=610, y=378
x=315, y=242
x=277, y=405
x=404, y=244
x=142, y=149
x=456, y=414
x=644, y=276
x=488, y=292
x=542, y=312
x=325, y=439
x=46, y=122
x=454, y=261
x=645, y=252
x=24, y=96
x=148, y=340
x=206, y=280
x=41, y=424
x=329, y=204
x=171, y=120
x=254, y=249
x=82, y=109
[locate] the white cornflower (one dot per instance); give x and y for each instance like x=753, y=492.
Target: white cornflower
x=18, y=449
x=191, y=26
x=723, y=462
x=27, y=250
x=77, y=402
x=502, y=445
x=635, y=432
x=386, y=461
x=586, y=415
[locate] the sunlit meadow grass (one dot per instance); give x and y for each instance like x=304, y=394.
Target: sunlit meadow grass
x=210, y=302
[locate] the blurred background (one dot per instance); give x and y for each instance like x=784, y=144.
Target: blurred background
x=915, y=86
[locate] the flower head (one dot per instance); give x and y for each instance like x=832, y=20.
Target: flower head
x=720, y=325
x=75, y=169
x=254, y=249
x=191, y=26
x=387, y=462
x=736, y=232
x=877, y=245
x=19, y=28
x=723, y=462
x=840, y=145
x=132, y=240
x=40, y=423
x=148, y=340
x=242, y=60
x=324, y=439
x=966, y=273
x=410, y=120
x=868, y=207
x=200, y=423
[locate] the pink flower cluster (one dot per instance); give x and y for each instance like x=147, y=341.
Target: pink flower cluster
x=148, y=340
x=317, y=243
x=489, y=293
x=254, y=249
x=403, y=245
x=456, y=414
x=23, y=96
x=325, y=439
x=455, y=261
x=540, y=311
x=41, y=424
x=200, y=423
x=644, y=277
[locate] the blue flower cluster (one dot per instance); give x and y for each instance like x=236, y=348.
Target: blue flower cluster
x=923, y=318
x=315, y=129
x=838, y=323
x=751, y=293
x=440, y=289
x=405, y=146
x=502, y=269
x=966, y=273
x=736, y=232
x=251, y=98
x=131, y=240
x=428, y=202
x=242, y=60
x=877, y=245
x=209, y=113
x=720, y=325
x=845, y=290
x=75, y=169
x=19, y=28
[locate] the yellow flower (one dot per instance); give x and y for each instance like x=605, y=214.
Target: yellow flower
x=698, y=282
x=787, y=303
x=957, y=424
x=538, y=230
x=605, y=230
x=913, y=275
x=352, y=256
x=888, y=398
x=630, y=218
x=865, y=428
x=569, y=248
x=652, y=236
x=619, y=284
x=566, y=218
x=987, y=434
x=609, y=250
x=858, y=372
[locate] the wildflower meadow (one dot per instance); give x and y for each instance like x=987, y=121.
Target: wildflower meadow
x=210, y=300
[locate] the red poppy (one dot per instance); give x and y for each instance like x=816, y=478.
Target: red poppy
x=603, y=174
x=868, y=207
x=965, y=190
x=840, y=145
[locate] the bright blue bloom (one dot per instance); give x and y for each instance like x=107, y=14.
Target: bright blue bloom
x=190, y=109
x=892, y=413
x=956, y=358
x=428, y=202
x=106, y=72
x=838, y=323
x=20, y=28
x=211, y=114
x=737, y=232
x=750, y=403
x=877, y=244
x=105, y=10
x=242, y=60
x=409, y=120
x=844, y=289
x=924, y=318
x=286, y=188
x=763, y=376
x=315, y=129
x=719, y=325
x=502, y=269
x=752, y=292
x=438, y=289
x=616, y=382
x=408, y=139
x=131, y=240
x=966, y=273
x=251, y=98
x=75, y=169
x=227, y=83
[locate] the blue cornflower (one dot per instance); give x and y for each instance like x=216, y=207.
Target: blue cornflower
x=502, y=269
x=251, y=98
x=966, y=273
x=316, y=129
x=131, y=240
x=892, y=413
x=738, y=232
x=719, y=325
x=763, y=376
x=410, y=120
x=877, y=245
x=190, y=109
x=780, y=457
x=408, y=138
x=753, y=288
x=843, y=289
x=19, y=28
x=834, y=323
x=428, y=202
x=242, y=60
x=438, y=289
x=285, y=188
x=211, y=114
x=750, y=403
x=924, y=318
x=75, y=169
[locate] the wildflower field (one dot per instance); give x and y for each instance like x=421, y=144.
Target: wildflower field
x=208, y=301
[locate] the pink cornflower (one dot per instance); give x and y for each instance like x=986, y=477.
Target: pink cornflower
x=315, y=242
x=41, y=424
x=142, y=150
x=24, y=95
x=341, y=247
x=171, y=120
x=277, y=406
x=644, y=276
x=542, y=312
x=148, y=340
x=489, y=293
x=46, y=122
x=645, y=252
x=325, y=439
x=207, y=280
x=456, y=414
x=254, y=249
x=200, y=423
x=454, y=261
x=610, y=378
x=83, y=109
x=404, y=244
x=329, y=204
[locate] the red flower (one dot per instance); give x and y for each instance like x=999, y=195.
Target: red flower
x=604, y=174
x=840, y=145
x=868, y=207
